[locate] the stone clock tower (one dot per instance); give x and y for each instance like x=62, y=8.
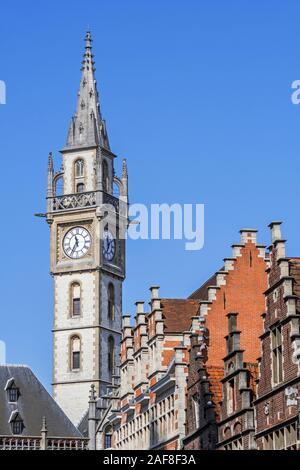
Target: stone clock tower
x=87, y=214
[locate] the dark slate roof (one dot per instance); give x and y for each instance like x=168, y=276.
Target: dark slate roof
x=201, y=293
x=83, y=426
x=33, y=403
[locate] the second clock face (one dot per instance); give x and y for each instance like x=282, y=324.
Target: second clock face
x=77, y=242
x=109, y=246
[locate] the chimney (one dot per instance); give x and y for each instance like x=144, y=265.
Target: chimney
x=248, y=235
x=275, y=231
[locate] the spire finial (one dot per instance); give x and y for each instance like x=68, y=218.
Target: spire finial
x=124, y=168
x=50, y=161
x=88, y=39
x=44, y=424
x=92, y=393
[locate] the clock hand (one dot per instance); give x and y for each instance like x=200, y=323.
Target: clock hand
x=75, y=245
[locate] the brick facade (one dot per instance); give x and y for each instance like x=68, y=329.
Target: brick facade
x=147, y=410
x=219, y=370
x=276, y=405
x=237, y=287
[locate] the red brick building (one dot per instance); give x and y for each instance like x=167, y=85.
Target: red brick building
x=277, y=403
x=237, y=287
x=147, y=409
x=220, y=370
x=236, y=425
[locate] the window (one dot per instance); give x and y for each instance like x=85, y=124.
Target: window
x=111, y=354
x=80, y=188
x=76, y=307
x=111, y=302
x=59, y=186
x=196, y=407
x=79, y=168
x=116, y=190
x=13, y=394
x=277, y=356
x=75, y=299
x=231, y=397
x=75, y=353
x=17, y=425
x=105, y=179
x=108, y=438
x=283, y=438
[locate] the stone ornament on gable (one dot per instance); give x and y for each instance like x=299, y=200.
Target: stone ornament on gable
x=267, y=408
x=291, y=394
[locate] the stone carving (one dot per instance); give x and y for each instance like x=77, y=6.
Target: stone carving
x=73, y=201
x=267, y=408
x=109, y=199
x=291, y=394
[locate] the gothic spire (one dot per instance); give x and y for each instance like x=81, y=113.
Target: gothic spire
x=87, y=128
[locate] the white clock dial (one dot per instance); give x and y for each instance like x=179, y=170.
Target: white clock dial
x=77, y=242
x=109, y=245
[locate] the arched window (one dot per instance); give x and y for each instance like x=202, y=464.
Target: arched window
x=108, y=437
x=79, y=168
x=116, y=190
x=111, y=302
x=75, y=353
x=111, y=354
x=80, y=188
x=59, y=186
x=105, y=179
x=75, y=299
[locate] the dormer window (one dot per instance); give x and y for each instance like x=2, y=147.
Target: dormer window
x=12, y=391
x=16, y=423
x=17, y=427
x=13, y=395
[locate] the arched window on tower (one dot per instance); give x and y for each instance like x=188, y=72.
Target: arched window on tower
x=111, y=354
x=105, y=179
x=75, y=353
x=75, y=299
x=111, y=302
x=59, y=186
x=108, y=437
x=116, y=190
x=80, y=188
x=79, y=168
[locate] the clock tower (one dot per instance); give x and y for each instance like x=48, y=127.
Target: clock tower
x=87, y=215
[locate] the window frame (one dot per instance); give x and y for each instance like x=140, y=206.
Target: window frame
x=277, y=355
x=111, y=302
x=79, y=163
x=75, y=354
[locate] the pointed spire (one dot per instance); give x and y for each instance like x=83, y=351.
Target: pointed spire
x=44, y=424
x=87, y=128
x=50, y=161
x=124, y=168
x=50, y=176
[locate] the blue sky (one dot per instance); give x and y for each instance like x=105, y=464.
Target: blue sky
x=196, y=96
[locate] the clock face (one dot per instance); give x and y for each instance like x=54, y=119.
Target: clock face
x=109, y=245
x=77, y=242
